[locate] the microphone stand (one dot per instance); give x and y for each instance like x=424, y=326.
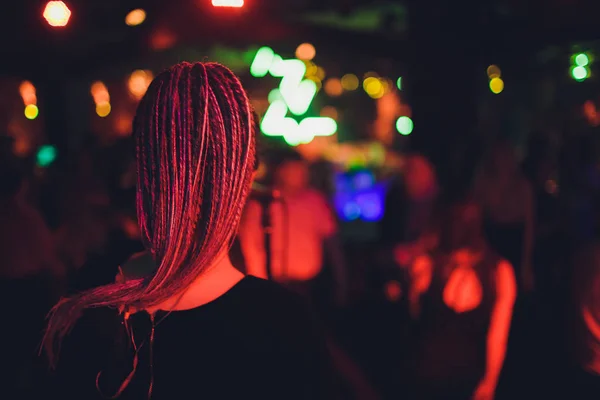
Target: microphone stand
x=265, y=199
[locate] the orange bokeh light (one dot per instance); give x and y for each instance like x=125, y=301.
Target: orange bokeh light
x=100, y=93
x=333, y=87
x=139, y=82
x=135, y=17
x=28, y=94
x=306, y=51
x=57, y=13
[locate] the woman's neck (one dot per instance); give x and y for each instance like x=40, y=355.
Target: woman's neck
x=209, y=286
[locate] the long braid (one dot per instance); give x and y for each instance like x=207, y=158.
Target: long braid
x=195, y=152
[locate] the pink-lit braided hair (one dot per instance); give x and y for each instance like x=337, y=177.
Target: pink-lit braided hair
x=195, y=152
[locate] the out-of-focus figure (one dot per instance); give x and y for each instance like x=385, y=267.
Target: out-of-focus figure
x=410, y=201
x=408, y=210
x=303, y=228
x=461, y=297
x=551, y=243
x=507, y=200
x=31, y=278
x=584, y=382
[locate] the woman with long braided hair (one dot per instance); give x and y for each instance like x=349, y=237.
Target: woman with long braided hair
x=195, y=327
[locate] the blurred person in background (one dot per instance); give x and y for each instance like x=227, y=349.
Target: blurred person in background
x=31, y=276
x=304, y=230
x=507, y=200
x=550, y=247
x=461, y=298
x=196, y=325
x=112, y=216
x=583, y=380
x=580, y=181
x=84, y=211
x=408, y=209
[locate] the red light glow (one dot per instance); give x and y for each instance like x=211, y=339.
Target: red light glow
x=57, y=13
x=228, y=3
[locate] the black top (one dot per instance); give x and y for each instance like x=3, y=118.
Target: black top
x=451, y=346
x=255, y=341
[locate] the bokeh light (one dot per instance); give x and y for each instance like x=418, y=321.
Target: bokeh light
x=582, y=59
x=330, y=112
x=393, y=291
x=580, y=73
x=46, y=155
x=306, y=51
x=493, y=71
x=388, y=85
x=497, y=85
x=316, y=80
x=320, y=73
x=57, y=13
x=28, y=93
x=135, y=17
x=350, y=82
x=374, y=87
x=99, y=92
x=262, y=62
x=31, y=111
x=399, y=83
x=333, y=87
x=139, y=82
x=228, y=3
x=103, y=109
x=311, y=69
x=351, y=211
x=162, y=39
x=404, y=125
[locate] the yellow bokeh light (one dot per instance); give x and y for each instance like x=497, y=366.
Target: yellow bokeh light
x=350, y=82
x=497, y=85
x=374, y=87
x=311, y=68
x=333, y=87
x=317, y=82
x=320, y=73
x=135, y=17
x=139, y=82
x=31, y=111
x=103, y=109
x=306, y=51
x=330, y=112
x=493, y=71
